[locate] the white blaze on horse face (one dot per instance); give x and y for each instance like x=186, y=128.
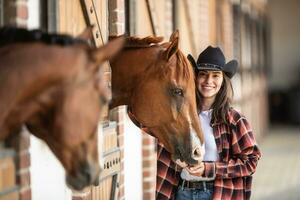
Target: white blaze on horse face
x=197, y=148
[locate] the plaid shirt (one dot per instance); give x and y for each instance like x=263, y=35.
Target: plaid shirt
x=238, y=154
x=238, y=157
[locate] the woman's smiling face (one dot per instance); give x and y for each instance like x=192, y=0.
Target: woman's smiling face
x=209, y=83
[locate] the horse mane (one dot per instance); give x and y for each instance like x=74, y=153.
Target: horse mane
x=136, y=42
x=150, y=41
x=9, y=35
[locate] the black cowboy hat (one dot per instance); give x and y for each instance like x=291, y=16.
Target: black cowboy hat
x=213, y=59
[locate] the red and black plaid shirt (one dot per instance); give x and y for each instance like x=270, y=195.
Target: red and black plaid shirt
x=238, y=153
x=238, y=157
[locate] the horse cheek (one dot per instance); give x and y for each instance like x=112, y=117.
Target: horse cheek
x=103, y=89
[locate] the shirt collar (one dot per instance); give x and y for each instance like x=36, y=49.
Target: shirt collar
x=206, y=112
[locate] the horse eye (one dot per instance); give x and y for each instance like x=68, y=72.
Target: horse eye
x=178, y=92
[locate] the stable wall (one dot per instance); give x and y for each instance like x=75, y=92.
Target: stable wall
x=285, y=42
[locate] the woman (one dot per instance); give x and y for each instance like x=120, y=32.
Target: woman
x=231, y=152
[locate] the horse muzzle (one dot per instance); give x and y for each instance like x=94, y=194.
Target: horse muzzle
x=86, y=176
x=190, y=156
x=184, y=157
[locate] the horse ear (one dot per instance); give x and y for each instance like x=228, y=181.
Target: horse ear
x=174, y=35
x=173, y=47
x=107, y=51
x=87, y=33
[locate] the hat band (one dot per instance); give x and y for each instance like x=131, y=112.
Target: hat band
x=209, y=65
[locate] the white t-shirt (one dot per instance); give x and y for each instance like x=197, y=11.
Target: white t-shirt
x=211, y=152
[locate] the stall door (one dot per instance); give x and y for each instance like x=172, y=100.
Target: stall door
x=73, y=18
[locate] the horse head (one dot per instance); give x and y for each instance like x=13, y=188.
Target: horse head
x=70, y=115
x=159, y=88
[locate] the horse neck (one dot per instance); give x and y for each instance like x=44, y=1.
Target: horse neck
x=12, y=97
x=23, y=77
x=128, y=69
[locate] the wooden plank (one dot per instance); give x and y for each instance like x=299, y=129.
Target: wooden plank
x=104, y=191
x=7, y=170
x=111, y=162
x=212, y=21
x=190, y=27
x=11, y=195
x=109, y=152
x=92, y=19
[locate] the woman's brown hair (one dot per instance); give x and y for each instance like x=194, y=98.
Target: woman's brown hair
x=222, y=101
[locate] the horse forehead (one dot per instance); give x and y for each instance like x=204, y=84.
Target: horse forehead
x=179, y=71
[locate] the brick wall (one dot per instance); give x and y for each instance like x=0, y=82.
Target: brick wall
x=8, y=187
x=116, y=10
x=116, y=17
x=14, y=167
x=120, y=112
x=15, y=12
x=20, y=143
x=149, y=166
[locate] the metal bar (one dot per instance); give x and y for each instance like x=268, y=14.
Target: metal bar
x=52, y=16
x=114, y=186
x=153, y=27
x=91, y=18
x=1, y=13
x=174, y=16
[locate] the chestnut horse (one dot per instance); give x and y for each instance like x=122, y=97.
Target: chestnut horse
x=157, y=83
x=58, y=91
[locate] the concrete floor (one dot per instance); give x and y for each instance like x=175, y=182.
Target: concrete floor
x=278, y=173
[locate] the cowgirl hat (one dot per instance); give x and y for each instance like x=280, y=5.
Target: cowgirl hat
x=213, y=59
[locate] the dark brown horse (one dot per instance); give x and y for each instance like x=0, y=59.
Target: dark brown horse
x=157, y=83
x=58, y=92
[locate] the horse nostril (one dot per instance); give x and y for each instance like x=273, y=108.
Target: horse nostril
x=96, y=182
x=86, y=173
x=196, y=153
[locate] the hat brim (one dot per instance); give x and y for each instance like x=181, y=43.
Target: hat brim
x=230, y=68
x=192, y=61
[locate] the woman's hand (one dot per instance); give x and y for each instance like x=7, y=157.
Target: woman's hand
x=181, y=164
x=196, y=170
